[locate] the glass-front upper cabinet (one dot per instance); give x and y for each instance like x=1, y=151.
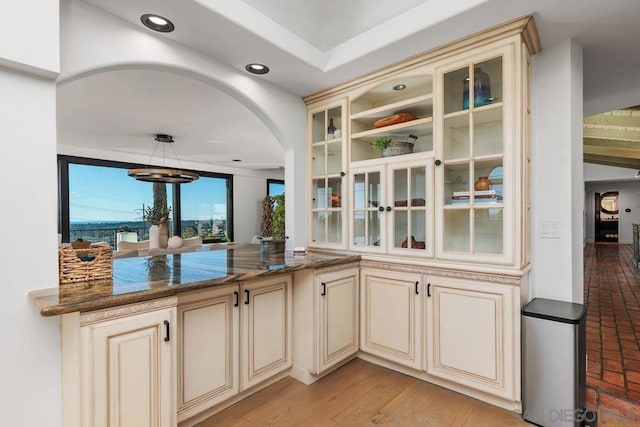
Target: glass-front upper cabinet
x=474, y=149
x=327, y=166
x=393, y=117
x=392, y=208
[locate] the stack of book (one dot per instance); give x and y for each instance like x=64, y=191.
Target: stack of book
x=484, y=196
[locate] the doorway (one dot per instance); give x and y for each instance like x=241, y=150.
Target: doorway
x=606, y=217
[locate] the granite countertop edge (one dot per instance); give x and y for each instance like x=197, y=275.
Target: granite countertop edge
x=42, y=298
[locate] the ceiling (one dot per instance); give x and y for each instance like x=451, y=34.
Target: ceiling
x=309, y=45
x=613, y=138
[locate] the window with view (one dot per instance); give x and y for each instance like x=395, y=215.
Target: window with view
x=100, y=202
x=275, y=187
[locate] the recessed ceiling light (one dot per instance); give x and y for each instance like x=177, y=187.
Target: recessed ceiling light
x=236, y=160
x=257, y=68
x=157, y=23
x=400, y=87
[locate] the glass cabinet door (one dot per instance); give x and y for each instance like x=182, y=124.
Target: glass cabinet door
x=326, y=170
x=472, y=159
x=368, y=210
x=410, y=186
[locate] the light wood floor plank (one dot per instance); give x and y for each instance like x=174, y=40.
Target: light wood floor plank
x=361, y=394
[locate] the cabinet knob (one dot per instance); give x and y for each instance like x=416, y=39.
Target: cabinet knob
x=342, y=174
x=381, y=208
x=438, y=162
x=388, y=208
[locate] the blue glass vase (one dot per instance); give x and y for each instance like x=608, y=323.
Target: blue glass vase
x=481, y=88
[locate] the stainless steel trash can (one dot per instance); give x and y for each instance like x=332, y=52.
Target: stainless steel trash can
x=554, y=363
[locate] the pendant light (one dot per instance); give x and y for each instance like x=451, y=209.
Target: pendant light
x=162, y=174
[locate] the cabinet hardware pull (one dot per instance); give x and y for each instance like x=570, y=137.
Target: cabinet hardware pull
x=237, y=295
x=246, y=291
x=429, y=289
x=388, y=208
x=342, y=174
x=167, y=328
x=438, y=162
x=381, y=208
x=417, y=290
x=324, y=289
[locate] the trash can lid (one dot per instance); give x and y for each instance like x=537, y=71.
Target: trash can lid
x=557, y=311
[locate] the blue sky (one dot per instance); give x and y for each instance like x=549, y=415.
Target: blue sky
x=99, y=193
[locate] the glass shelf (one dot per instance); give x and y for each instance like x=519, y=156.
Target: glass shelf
x=362, y=143
x=384, y=95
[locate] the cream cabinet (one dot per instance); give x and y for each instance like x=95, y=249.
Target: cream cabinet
x=392, y=208
x=391, y=311
x=208, y=349
x=472, y=330
x=326, y=319
x=265, y=338
x=230, y=339
x=337, y=314
x=127, y=366
x=327, y=131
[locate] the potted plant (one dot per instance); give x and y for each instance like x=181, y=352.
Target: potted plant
x=388, y=147
x=158, y=217
x=272, y=226
x=125, y=234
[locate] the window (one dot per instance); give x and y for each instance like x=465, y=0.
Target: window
x=275, y=187
x=100, y=202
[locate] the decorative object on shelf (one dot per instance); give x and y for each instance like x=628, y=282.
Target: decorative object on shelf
x=331, y=128
x=395, y=119
x=158, y=271
x=481, y=89
x=272, y=226
x=337, y=134
x=158, y=217
x=418, y=201
x=163, y=174
x=388, y=147
x=414, y=244
x=89, y=263
x=336, y=201
x=482, y=184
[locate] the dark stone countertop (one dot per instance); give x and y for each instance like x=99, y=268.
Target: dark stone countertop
x=144, y=278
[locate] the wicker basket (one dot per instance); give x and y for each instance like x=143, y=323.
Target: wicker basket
x=73, y=269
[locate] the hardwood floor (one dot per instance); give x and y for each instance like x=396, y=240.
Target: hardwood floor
x=362, y=394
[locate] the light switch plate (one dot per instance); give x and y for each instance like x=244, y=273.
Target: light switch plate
x=549, y=229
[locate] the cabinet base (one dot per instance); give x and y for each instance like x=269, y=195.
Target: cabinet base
x=510, y=405
x=307, y=378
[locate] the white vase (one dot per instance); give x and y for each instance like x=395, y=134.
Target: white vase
x=164, y=235
x=154, y=237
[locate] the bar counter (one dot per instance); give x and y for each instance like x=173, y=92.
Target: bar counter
x=144, y=278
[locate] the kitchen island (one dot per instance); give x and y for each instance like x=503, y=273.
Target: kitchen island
x=171, y=339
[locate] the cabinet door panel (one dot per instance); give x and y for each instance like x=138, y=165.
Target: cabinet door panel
x=470, y=334
x=266, y=329
x=208, y=351
x=338, y=316
x=131, y=370
x=391, y=317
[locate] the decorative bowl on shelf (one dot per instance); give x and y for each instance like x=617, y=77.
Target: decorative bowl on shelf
x=395, y=119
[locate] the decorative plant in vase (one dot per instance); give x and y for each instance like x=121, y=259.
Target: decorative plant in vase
x=272, y=226
x=158, y=217
x=388, y=147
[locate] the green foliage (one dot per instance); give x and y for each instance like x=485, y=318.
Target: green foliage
x=382, y=142
x=278, y=218
x=124, y=229
x=156, y=216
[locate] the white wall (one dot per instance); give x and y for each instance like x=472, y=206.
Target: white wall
x=30, y=370
x=557, y=172
x=30, y=36
x=628, y=198
x=607, y=173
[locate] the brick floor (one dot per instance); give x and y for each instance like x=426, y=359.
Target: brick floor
x=612, y=295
